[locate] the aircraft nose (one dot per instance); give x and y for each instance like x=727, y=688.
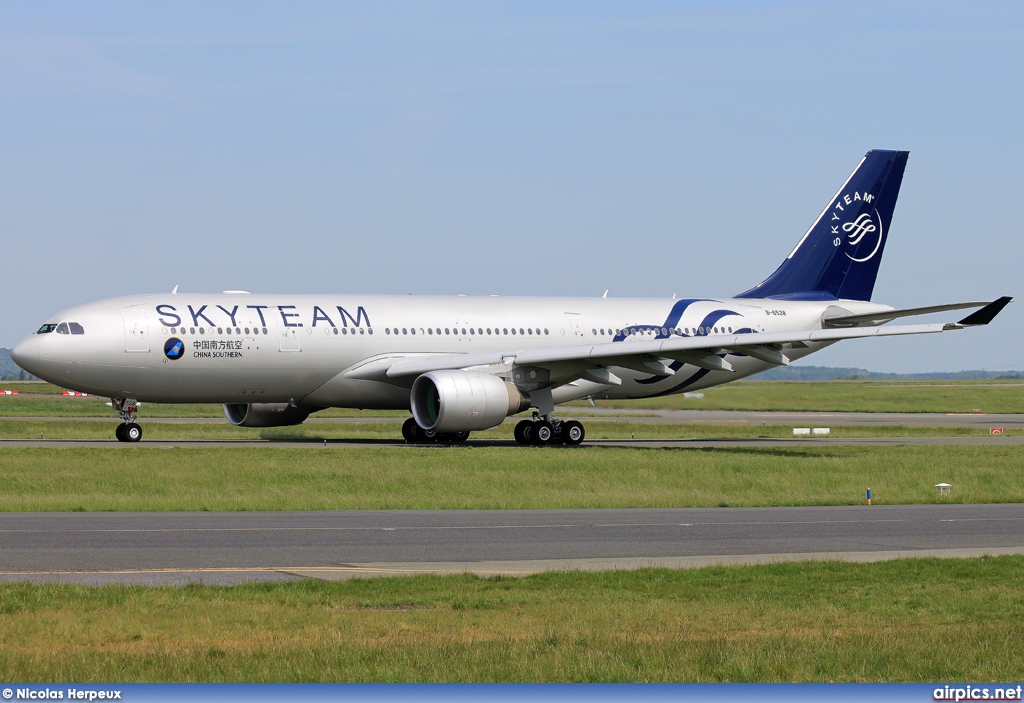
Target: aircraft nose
x=26, y=354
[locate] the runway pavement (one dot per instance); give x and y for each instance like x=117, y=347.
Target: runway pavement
x=802, y=419
x=174, y=548
x=648, y=416
x=336, y=444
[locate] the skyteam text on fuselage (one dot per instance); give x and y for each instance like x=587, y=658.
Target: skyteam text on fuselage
x=461, y=363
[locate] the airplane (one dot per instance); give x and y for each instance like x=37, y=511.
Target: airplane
x=463, y=364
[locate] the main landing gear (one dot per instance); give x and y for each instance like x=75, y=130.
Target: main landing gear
x=542, y=431
x=128, y=430
x=414, y=434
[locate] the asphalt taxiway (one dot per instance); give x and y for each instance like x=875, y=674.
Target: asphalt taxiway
x=683, y=443
x=174, y=548
x=741, y=418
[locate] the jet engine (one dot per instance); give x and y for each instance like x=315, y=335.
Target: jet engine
x=463, y=401
x=265, y=414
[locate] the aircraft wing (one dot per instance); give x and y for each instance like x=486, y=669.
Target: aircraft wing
x=705, y=351
x=872, y=319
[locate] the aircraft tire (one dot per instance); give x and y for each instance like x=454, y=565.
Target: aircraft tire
x=542, y=433
x=132, y=432
x=411, y=431
x=119, y=433
x=459, y=437
x=523, y=432
x=573, y=433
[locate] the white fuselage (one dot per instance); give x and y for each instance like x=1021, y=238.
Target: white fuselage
x=243, y=348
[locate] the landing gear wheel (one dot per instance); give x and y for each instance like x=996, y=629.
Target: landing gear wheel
x=573, y=433
x=459, y=437
x=128, y=430
x=411, y=431
x=431, y=436
x=542, y=432
x=132, y=432
x=523, y=432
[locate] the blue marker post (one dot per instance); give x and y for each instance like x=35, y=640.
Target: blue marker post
x=869, y=496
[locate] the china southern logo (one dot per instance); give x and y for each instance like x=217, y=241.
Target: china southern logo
x=174, y=348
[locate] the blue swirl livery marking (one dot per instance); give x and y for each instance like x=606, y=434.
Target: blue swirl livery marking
x=709, y=320
x=674, y=315
x=700, y=373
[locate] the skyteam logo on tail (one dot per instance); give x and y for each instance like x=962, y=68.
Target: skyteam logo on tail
x=863, y=225
x=838, y=256
x=860, y=228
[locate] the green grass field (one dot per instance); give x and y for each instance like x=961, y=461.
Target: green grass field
x=852, y=396
x=31, y=387
x=390, y=429
x=152, y=478
x=837, y=396
x=29, y=406
x=908, y=620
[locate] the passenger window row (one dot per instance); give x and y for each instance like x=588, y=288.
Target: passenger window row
x=362, y=330
x=472, y=331
x=220, y=330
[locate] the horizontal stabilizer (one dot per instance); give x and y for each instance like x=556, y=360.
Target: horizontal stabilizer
x=987, y=313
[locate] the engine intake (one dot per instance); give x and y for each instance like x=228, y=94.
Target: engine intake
x=265, y=414
x=463, y=401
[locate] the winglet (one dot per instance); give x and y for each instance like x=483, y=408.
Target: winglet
x=987, y=313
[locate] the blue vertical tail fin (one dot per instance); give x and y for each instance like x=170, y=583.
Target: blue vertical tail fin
x=838, y=257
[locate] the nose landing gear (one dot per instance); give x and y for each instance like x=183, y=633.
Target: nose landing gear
x=543, y=431
x=128, y=430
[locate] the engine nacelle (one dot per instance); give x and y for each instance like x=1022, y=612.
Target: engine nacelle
x=463, y=401
x=265, y=414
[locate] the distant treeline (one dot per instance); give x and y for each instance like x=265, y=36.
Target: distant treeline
x=832, y=373
x=9, y=371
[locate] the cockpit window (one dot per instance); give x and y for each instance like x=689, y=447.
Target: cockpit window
x=46, y=329
x=62, y=328
x=76, y=328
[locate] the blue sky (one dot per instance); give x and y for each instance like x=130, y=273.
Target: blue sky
x=514, y=148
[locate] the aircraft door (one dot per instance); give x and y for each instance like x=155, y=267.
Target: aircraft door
x=290, y=340
x=576, y=327
x=136, y=331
